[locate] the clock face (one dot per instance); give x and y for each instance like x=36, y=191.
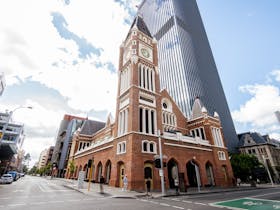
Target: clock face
x=145, y=53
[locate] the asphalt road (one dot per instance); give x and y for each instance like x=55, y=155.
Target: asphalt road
x=30, y=193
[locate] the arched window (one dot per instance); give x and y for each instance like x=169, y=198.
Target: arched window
x=147, y=120
x=148, y=146
x=121, y=147
x=146, y=77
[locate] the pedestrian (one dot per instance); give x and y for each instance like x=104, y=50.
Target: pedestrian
x=148, y=186
x=238, y=180
x=101, y=182
x=176, y=184
x=125, y=183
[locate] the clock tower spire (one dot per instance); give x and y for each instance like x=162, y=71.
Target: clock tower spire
x=138, y=90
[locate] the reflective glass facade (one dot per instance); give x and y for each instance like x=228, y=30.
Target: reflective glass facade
x=186, y=64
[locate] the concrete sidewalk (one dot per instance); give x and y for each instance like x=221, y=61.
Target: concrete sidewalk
x=115, y=192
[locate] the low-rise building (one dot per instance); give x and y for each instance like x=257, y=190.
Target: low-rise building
x=11, y=139
x=267, y=150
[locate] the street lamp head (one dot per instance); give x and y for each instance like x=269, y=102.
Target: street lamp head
x=29, y=107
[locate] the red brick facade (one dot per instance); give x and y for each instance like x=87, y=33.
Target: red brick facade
x=128, y=146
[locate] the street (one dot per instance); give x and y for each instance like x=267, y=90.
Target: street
x=41, y=193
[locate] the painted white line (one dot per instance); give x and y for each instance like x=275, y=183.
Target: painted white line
x=189, y=209
x=17, y=204
x=164, y=204
x=175, y=199
x=200, y=203
x=89, y=199
x=74, y=200
x=154, y=202
x=178, y=207
x=255, y=196
x=186, y=201
x=144, y=200
x=56, y=201
x=5, y=198
x=38, y=203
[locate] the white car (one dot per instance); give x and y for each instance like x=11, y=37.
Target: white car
x=7, y=178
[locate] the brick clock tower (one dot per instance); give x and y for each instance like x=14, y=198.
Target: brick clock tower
x=137, y=117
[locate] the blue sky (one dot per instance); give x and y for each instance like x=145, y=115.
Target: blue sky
x=65, y=60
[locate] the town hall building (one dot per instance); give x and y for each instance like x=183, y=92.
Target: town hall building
x=193, y=149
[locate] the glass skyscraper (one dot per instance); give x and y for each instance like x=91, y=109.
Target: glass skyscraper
x=186, y=64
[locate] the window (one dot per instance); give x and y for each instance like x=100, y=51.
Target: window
x=134, y=33
x=123, y=122
x=216, y=133
x=148, y=146
x=146, y=77
x=164, y=105
x=134, y=42
x=221, y=155
x=147, y=120
x=124, y=80
x=198, y=132
x=121, y=147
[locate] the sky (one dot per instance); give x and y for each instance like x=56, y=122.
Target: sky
x=61, y=57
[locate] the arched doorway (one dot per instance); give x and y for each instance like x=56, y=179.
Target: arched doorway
x=121, y=173
x=224, y=170
x=193, y=174
x=86, y=170
x=148, y=173
x=108, y=171
x=210, y=174
x=99, y=171
x=172, y=168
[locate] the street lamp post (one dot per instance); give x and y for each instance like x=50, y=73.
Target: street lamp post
x=8, y=120
x=266, y=166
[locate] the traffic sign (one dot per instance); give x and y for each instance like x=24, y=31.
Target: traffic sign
x=250, y=204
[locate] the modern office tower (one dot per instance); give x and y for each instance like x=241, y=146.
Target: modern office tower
x=186, y=64
x=277, y=113
x=2, y=83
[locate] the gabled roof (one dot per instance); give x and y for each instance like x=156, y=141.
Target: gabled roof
x=141, y=25
x=90, y=127
x=257, y=138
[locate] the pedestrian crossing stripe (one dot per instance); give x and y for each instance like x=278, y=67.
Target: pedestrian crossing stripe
x=249, y=204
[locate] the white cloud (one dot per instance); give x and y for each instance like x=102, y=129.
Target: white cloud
x=276, y=73
x=34, y=146
x=258, y=111
x=31, y=49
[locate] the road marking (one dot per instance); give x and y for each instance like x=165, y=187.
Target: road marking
x=18, y=191
x=175, y=199
x=75, y=200
x=17, y=204
x=38, y=203
x=200, y=204
x=6, y=198
x=178, y=207
x=255, y=196
x=154, y=202
x=164, y=204
x=186, y=201
x=56, y=201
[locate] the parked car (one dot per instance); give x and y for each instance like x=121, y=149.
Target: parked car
x=7, y=179
x=14, y=174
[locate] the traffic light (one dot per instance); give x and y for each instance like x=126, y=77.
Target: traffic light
x=157, y=163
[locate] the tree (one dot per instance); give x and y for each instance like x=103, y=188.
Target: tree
x=71, y=168
x=243, y=166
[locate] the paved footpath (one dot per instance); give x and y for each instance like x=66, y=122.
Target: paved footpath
x=94, y=190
